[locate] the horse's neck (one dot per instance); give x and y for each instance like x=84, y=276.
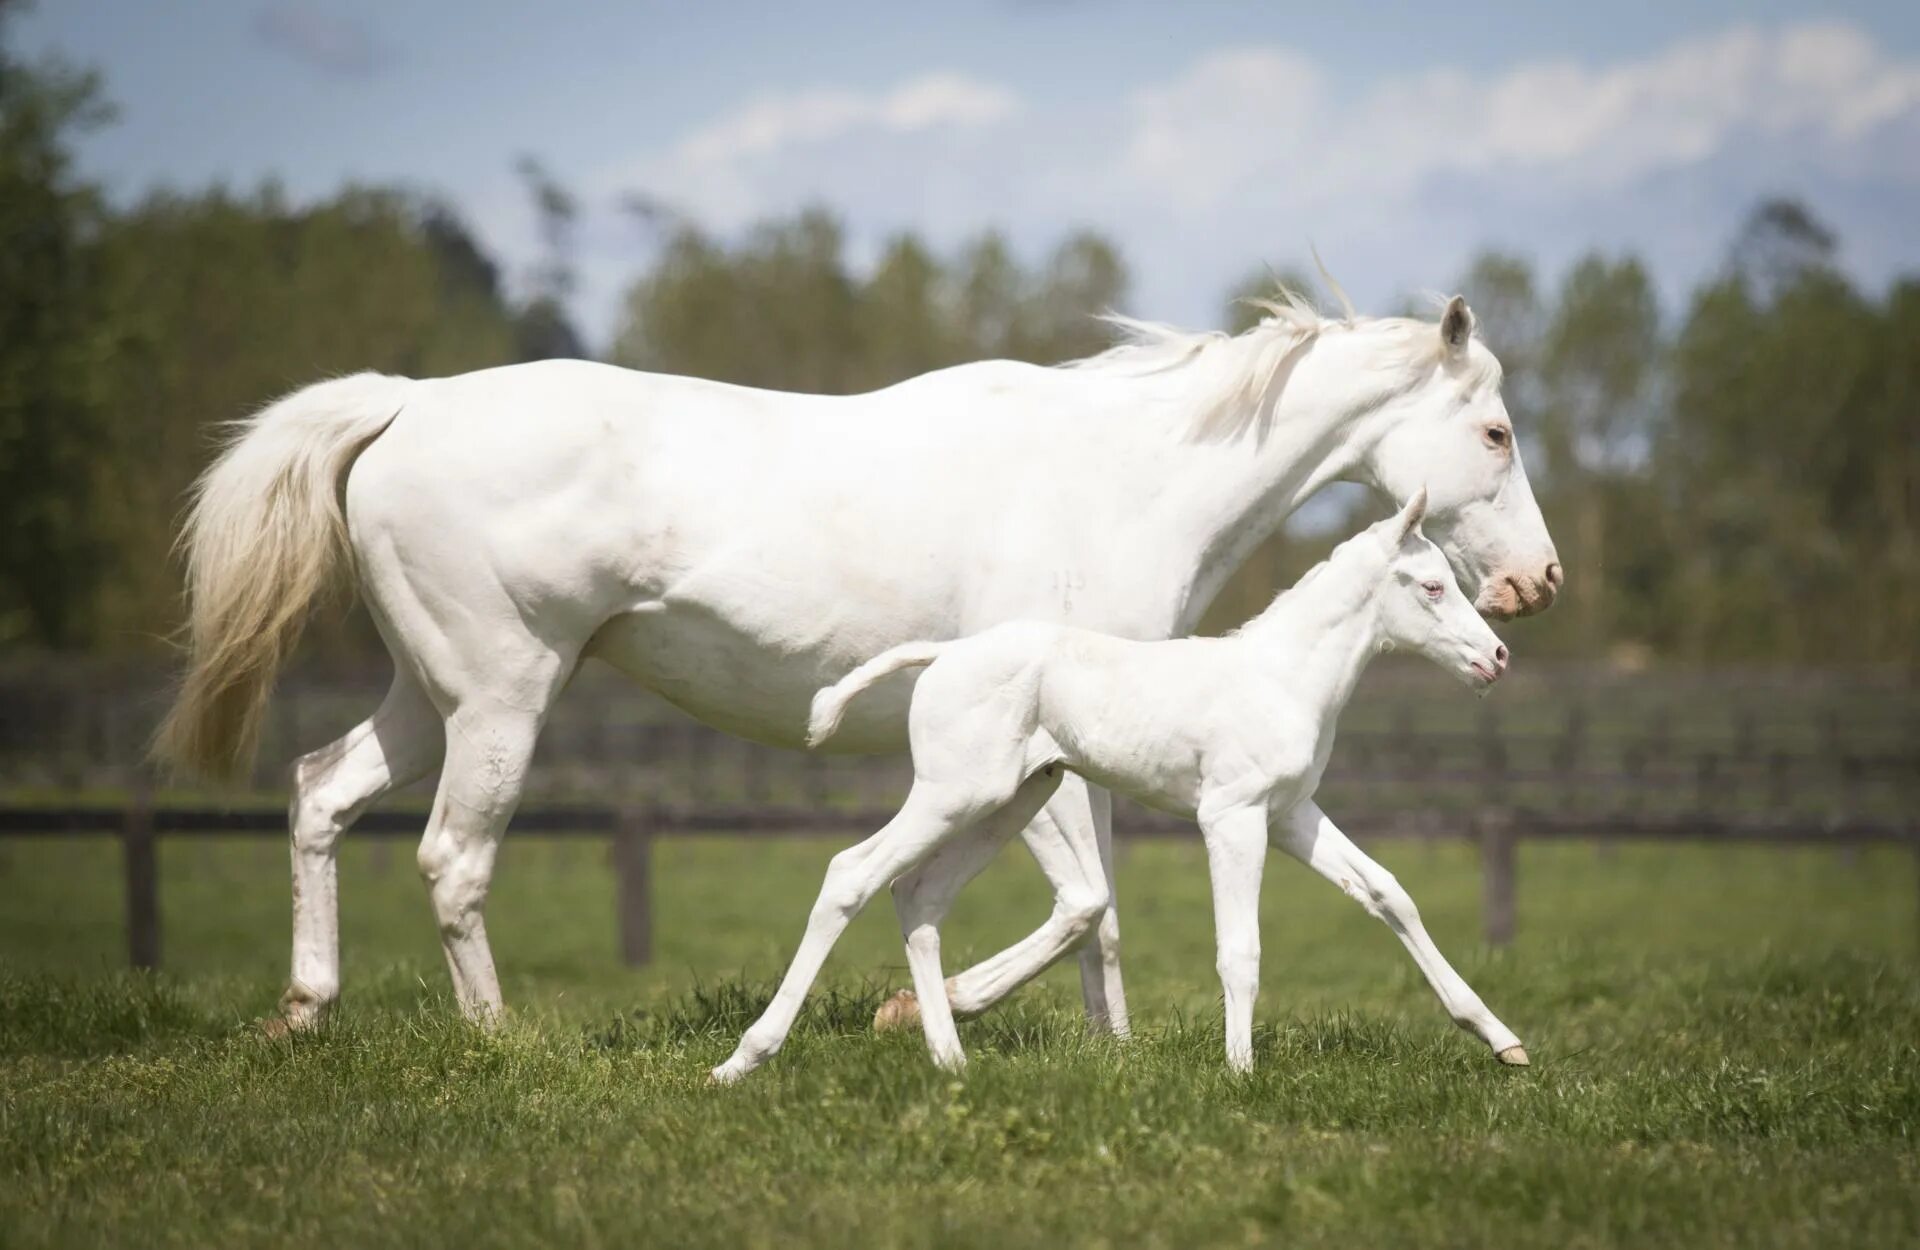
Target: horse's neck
x=1207, y=505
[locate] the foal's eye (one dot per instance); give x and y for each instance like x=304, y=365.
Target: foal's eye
x=1498, y=435
x=1434, y=590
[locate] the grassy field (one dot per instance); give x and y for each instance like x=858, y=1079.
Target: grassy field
x=1724, y=1046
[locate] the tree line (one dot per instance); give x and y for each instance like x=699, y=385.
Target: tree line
x=1739, y=483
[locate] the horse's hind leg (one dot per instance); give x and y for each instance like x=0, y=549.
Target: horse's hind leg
x=489, y=749
x=331, y=788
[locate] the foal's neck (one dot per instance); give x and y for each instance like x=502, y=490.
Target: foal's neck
x=1321, y=634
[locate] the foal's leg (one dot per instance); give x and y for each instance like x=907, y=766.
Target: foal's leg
x=1309, y=836
x=855, y=875
x=923, y=897
x=331, y=788
x=1065, y=842
x=1100, y=986
x=1236, y=841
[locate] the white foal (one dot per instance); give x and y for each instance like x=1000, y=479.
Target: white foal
x=1235, y=731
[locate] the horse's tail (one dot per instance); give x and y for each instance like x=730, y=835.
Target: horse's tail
x=265, y=536
x=831, y=703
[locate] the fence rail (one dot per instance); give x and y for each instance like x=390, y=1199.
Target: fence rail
x=1564, y=752
x=1498, y=833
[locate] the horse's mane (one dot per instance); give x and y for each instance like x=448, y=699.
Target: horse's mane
x=1239, y=378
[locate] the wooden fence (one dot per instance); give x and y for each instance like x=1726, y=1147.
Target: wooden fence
x=1769, y=757
x=140, y=826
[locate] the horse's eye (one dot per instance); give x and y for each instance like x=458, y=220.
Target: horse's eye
x=1434, y=590
x=1498, y=435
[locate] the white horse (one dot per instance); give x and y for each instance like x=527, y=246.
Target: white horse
x=736, y=550
x=1234, y=732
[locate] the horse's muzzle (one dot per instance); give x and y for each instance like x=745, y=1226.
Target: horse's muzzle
x=1512, y=597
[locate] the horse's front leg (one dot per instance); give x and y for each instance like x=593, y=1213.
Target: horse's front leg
x=1236, y=839
x=1309, y=836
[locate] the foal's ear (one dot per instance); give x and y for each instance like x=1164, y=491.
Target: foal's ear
x=1408, y=522
x=1456, y=325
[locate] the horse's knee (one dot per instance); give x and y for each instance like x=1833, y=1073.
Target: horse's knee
x=1387, y=899
x=1238, y=964
x=330, y=787
x=1083, y=906
x=457, y=877
x=318, y=813
x=841, y=894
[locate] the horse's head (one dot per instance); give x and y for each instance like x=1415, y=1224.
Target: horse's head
x=1451, y=434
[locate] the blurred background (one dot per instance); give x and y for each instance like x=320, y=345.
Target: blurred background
x=1688, y=231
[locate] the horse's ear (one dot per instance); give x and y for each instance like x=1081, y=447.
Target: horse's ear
x=1456, y=325
x=1410, y=517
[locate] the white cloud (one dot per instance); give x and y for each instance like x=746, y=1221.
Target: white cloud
x=1246, y=154
x=1586, y=127
x=797, y=118
x=826, y=144
x=1192, y=136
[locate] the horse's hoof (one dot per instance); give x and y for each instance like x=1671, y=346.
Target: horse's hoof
x=900, y=1012
x=276, y=1028
x=1514, y=1057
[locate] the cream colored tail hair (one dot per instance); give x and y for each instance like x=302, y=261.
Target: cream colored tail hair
x=264, y=538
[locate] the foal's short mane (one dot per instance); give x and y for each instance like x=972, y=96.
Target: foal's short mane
x=1239, y=378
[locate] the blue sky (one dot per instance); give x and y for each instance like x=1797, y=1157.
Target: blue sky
x=1205, y=138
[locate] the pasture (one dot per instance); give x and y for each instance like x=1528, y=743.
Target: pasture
x=1724, y=1044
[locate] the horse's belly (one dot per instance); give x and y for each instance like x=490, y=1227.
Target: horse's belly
x=735, y=681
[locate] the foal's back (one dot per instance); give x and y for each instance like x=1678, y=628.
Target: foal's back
x=1156, y=721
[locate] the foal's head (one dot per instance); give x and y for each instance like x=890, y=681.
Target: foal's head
x=1421, y=605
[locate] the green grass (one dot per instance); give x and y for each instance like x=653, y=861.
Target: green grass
x=1724, y=1045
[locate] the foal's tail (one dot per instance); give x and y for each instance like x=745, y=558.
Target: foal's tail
x=831, y=704
x=265, y=536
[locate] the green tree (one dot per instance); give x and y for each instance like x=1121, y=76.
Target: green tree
x=1595, y=370
x=51, y=405
x=217, y=303
x=779, y=312
x=783, y=310
x=991, y=299
x=542, y=329
x=1083, y=277
x=906, y=322
x=1243, y=310
x=1510, y=320
x=1789, y=458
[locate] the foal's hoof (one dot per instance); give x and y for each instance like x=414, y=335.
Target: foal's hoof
x=900, y=1012
x=1513, y=1057
x=281, y=1027
x=296, y=1015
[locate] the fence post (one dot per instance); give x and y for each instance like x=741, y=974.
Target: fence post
x=1497, y=872
x=633, y=869
x=142, y=879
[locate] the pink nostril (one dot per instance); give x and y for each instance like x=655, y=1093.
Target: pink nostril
x=1500, y=656
x=1555, y=575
